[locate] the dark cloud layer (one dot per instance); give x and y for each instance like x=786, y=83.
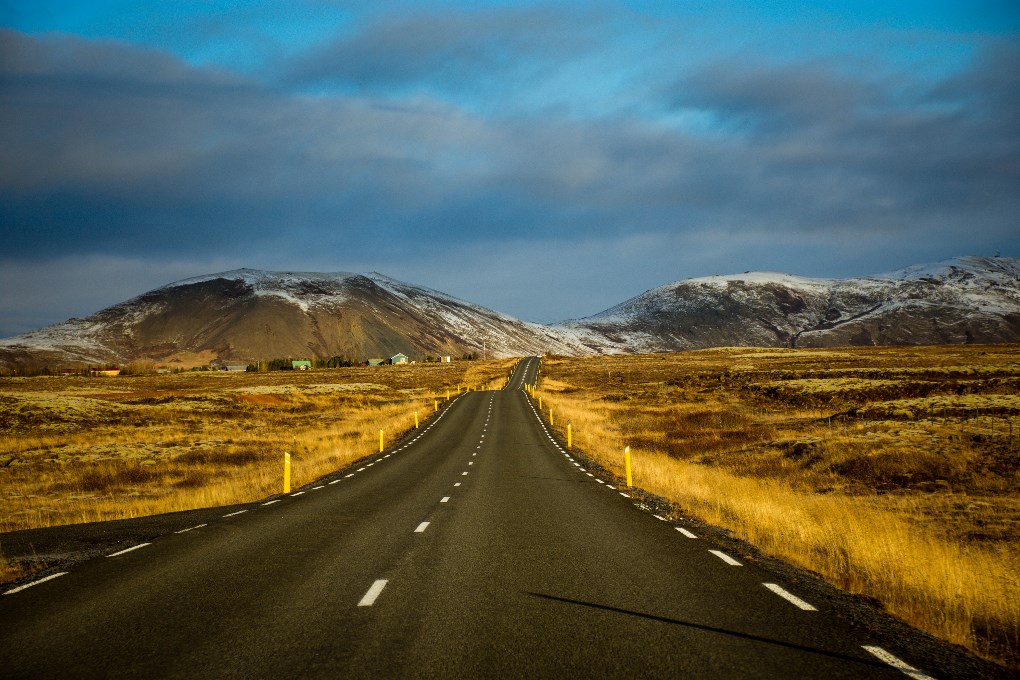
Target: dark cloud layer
x=119, y=150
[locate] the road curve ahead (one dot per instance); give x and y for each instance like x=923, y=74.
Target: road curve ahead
x=474, y=548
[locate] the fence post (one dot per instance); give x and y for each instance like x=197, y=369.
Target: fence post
x=626, y=462
x=286, y=473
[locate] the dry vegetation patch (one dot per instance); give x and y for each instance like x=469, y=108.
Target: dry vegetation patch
x=77, y=449
x=893, y=472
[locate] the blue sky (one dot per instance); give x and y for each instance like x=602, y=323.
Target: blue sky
x=546, y=159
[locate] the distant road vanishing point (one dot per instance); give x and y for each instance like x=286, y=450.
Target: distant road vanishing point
x=475, y=547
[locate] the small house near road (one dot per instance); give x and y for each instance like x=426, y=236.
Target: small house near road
x=301, y=365
x=399, y=359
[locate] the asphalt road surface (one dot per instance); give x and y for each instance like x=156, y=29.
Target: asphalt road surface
x=475, y=547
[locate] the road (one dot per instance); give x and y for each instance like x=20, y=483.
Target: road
x=476, y=547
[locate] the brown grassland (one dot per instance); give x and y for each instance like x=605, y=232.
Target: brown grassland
x=83, y=449
x=893, y=473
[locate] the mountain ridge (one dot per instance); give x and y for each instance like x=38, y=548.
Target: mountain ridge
x=248, y=314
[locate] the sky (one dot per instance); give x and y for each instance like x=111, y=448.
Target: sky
x=544, y=159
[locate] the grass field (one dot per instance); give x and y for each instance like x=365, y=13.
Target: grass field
x=892, y=472
x=81, y=449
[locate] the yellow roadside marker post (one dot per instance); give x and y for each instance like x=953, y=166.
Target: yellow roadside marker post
x=286, y=473
x=570, y=440
x=416, y=420
x=540, y=403
x=380, y=441
x=626, y=462
x=435, y=404
x=550, y=417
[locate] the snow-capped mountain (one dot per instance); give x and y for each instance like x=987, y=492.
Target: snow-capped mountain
x=966, y=299
x=246, y=314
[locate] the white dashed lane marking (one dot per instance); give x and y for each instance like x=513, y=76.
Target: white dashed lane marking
x=239, y=512
x=373, y=593
x=726, y=558
x=127, y=550
x=35, y=583
x=422, y=527
x=685, y=532
x=899, y=665
x=445, y=499
x=790, y=597
x=184, y=531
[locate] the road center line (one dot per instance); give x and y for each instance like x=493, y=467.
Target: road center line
x=725, y=558
x=35, y=583
x=898, y=664
x=335, y=481
x=275, y=500
x=127, y=550
x=184, y=531
x=463, y=474
x=685, y=532
x=789, y=597
x=239, y=512
x=299, y=493
x=457, y=484
x=444, y=499
x=421, y=527
x=373, y=593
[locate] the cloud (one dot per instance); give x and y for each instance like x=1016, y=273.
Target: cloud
x=816, y=165
x=449, y=48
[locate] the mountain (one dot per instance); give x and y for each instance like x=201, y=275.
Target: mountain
x=246, y=314
x=966, y=299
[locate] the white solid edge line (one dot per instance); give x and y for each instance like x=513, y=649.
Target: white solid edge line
x=444, y=499
x=726, y=558
x=127, y=550
x=421, y=527
x=790, y=597
x=239, y=512
x=275, y=500
x=373, y=593
x=685, y=532
x=35, y=583
x=184, y=531
x=898, y=664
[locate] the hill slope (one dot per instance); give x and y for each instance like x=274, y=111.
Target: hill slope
x=967, y=299
x=247, y=314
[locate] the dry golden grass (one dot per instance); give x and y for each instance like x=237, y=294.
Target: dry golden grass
x=892, y=472
x=76, y=449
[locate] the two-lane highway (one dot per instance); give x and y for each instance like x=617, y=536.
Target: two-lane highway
x=474, y=548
